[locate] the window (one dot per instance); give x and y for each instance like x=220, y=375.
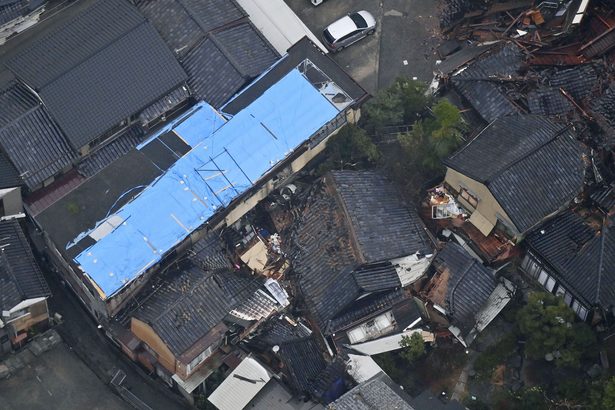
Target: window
x=542, y=278
x=200, y=359
x=550, y=284
x=470, y=199
x=347, y=36
x=568, y=299
x=530, y=266
x=582, y=313
x=358, y=20
x=560, y=291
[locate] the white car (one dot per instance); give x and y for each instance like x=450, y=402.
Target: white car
x=348, y=30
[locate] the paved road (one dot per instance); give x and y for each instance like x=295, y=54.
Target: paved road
x=57, y=380
x=404, y=43
x=81, y=335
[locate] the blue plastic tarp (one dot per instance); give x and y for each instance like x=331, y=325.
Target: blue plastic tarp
x=222, y=164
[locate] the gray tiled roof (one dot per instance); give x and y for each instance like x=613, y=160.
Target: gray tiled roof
x=469, y=285
x=8, y=174
x=303, y=363
x=219, y=47
x=350, y=207
x=578, y=81
x=385, y=228
x=476, y=82
x=582, y=257
x=366, y=306
x=20, y=276
x=191, y=303
x=15, y=101
x=183, y=23
x=111, y=151
x=36, y=146
x=548, y=101
x=372, y=394
x=376, y=276
x=532, y=166
x=75, y=68
x=212, y=76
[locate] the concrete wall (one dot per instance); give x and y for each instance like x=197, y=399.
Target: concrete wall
x=488, y=206
x=146, y=334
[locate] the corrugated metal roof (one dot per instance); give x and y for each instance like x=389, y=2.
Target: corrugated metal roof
x=241, y=385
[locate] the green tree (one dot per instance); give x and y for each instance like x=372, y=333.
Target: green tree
x=403, y=102
x=351, y=147
x=414, y=347
x=434, y=138
x=549, y=327
x=608, y=398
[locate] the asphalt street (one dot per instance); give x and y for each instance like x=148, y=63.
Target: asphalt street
x=404, y=43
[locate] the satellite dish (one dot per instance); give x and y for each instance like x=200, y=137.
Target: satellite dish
x=275, y=348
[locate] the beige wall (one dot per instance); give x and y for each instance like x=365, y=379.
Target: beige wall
x=488, y=206
x=38, y=313
x=146, y=334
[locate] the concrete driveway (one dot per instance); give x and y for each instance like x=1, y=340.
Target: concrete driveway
x=404, y=43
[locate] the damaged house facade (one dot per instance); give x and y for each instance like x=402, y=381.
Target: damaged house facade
x=356, y=249
x=517, y=172
x=465, y=293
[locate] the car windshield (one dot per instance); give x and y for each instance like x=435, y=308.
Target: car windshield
x=358, y=20
x=328, y=37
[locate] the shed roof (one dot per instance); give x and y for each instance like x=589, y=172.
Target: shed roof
x=531, y=165
x=20, y=275
x=74, y=68
x=241, y=386
x=582, y=256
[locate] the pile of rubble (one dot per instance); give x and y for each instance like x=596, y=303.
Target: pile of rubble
x=551, y=58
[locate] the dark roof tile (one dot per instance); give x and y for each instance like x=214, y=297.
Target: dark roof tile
x=20, y=275
x=581, y=256
x=75, y=67
x=36, y=146
x=511, y=152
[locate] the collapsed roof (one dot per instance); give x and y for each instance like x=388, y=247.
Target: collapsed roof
x=351, y=221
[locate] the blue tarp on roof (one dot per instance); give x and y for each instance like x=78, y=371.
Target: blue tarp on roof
x=222, y=166
x=193, y=126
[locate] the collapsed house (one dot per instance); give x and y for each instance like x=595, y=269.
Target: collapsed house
x=466, y=293
x=354, y=249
